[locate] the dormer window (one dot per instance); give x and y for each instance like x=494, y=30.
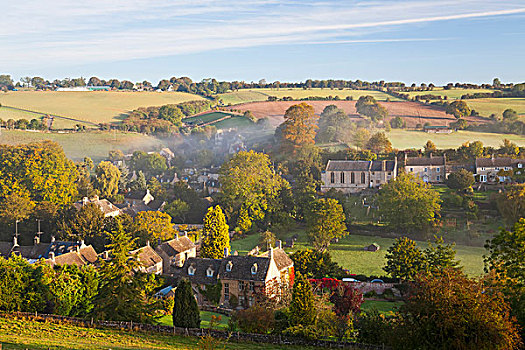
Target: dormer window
x=191, y=270
x=209, y=272
x=254, y=269
x=229, y=266
x=520, y=165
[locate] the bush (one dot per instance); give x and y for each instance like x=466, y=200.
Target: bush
x=256, y=319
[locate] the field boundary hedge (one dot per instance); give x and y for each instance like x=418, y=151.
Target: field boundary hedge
x=195, y=332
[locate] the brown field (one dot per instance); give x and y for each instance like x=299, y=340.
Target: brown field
x=414, y=113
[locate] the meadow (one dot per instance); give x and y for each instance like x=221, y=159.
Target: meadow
x=488, y=106
x=93, y=144
x=92, y=106
x=350, y=254
x=254, y=95
x=451, y=94
x=18, y=334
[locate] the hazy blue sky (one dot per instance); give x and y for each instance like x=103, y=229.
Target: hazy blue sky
x=410, y=41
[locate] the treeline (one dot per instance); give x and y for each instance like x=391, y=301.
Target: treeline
x=311, y=98
x=24, y=124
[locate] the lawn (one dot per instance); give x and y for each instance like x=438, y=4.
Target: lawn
x=26, y=334
x=253, y=95
x=384, y=307
x=205, y=320
x=349, y=252
x=451, y=94
x=93, y=144
x=403, y=139
x=205, y=118
x=94, y=106
x=234, y=122
x=488, y=106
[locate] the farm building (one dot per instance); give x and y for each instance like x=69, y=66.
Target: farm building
x=429, y=169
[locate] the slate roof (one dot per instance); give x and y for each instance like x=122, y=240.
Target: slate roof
x=106, y=206
x=201, y=265
x=282, y=260
x=423, y=161
x=494, y=162
x=5, y=249
x=156, y=204
x=176, y=246
x=85, y=255
x=140, y=194
x=147, y=256
x=361, y=165
x=241, y=268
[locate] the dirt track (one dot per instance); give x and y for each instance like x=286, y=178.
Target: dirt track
x=413, y=112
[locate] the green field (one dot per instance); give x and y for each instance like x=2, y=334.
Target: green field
x=488, y=106
x=93, y=144
x=205, y=320
x=235, y=121
x=403, y=139
x=384, y=307
x=205, y=118
x=349, y=252
x=27, y=334
x=451, y=94
x=253, y=95
x=94, y=106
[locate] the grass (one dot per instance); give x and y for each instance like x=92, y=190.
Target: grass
x=93, y=144
x=403, y=139
x=451, y=94
x=488, y=106
x=350, y=255
x=94, y=106
x=206, y=118
x=27, y=334
x=383, y=306
x=205, y=320
x=234, y=122
x=253, y=95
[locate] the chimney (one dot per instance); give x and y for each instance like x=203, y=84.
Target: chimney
x=52, y=239
x=226, y=252
x=147, y=243
x=85, y=201
x=383, y=165
x=279, y=244
x=405, y=158
x=430, y=155
x=51, y=256
x=36, y=240
x=82, y=243
x=15, y=241
x=185, y=233
x=77, y=248
x=270, y=253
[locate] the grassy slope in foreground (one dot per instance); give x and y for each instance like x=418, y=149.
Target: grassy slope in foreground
x=94, y=144
x=402, y=139
x=94, y=106
x=350, y=255
x=26, y=334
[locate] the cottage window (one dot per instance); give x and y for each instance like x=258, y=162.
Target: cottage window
x=229, y=266
x=352, y=177
x=373, y=173
x=411, y=170
x=241, y=286
x=332, y=177
x=426, y=169
x=209, y=272
x=520, y=165
x=507, y=168
x=497, y=168
x=439, y=178
x=342, y=177
x=482, y=168
x=191, y=270
x=250, y=301
x=254, y=269
x=252, y=286
x=226, y=291
x=241, y=300
x=438, y=170
x=389, y=173
x=362, y=178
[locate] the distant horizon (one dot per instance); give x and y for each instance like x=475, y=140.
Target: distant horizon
x=412, y=41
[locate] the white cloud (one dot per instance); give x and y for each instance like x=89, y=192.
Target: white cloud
x=37, y=33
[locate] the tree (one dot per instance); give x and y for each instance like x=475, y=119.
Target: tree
x=315, y=264
x=471, y=150
x=177, y=209
x=404, y=260
x=458, y=108
x=216, y=237
x=440, y=256
x=249, y=182
x=511, y=203
x=507, y=260
x=302, y=311
x=397, y=123
x=85, y=223
x=460, y=180
x=326, y=222
x=510, y=115
x=125, y=294
x=185, y=310
x=447, y=310
x=172, y=114
x=299, y=127
x=368, y=106
x=430, y=147
x=509, y=148
x=379, y=143
x=15, y=207
x=408, y=203
x=139, y=184
x=107, y=179
x=361, y=137
x=334, y=125
x=153, y=226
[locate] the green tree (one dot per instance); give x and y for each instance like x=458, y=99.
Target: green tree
x=471, y=150
x=185, y=310
x=510, y=115
x=510, y=148
x=379, y=143
x=125, y=294
x=86, y=223
x=458, y=108
x=153, y=226
x=440, y=256
x=360, y=138
x=172, y=114
x=430, y=147
x=215, y=234
x=398, y=123
x=460, y=180
x=107, y=179
x=139, y=184
x=299, y=127
x=507, y=260
x=177, y=209
x=368, y=106
x=408, y=203
x=326, y=222
x=15, y=207
x=315, y=264
x=302, y=309
x=404, y=260
x=511, y=203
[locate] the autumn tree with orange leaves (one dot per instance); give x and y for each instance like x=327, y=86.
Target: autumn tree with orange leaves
x=299, y=128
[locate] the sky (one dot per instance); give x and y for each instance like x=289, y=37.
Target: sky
x=248, y=40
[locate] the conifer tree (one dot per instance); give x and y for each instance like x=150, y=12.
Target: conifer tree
x=185, y=310
x=302, y=309
x=215, y=234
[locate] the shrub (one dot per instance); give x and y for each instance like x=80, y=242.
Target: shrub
x=256, y=319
